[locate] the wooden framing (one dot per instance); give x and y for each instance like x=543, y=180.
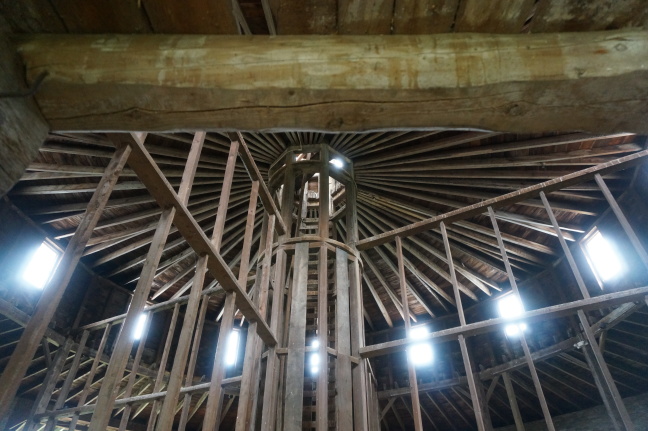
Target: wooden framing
x=37, y=326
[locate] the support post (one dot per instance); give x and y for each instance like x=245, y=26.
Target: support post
x=510, y=393
x=53, y=292
x=602, y=377
x=413, y=383
x=525, y=347
x=293, y=397
x=476, y=396
x=124, y=344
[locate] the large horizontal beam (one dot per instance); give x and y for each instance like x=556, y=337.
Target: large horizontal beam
x=150, y=174
x=503, y=200
x=483, y=326
x=594, y=82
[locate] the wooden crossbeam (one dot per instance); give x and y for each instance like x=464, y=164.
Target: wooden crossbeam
x=471, y=329
x=151, y=175
x=561, y=82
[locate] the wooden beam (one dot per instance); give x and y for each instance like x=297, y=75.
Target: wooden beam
x=413, y=383
x=255, y=175
x=53, y=292
x=561, y=82
x=150, y=174
x=509, y=198
x=22, y=127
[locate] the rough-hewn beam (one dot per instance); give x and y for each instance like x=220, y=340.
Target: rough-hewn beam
x=594, y=82
x=22, y=127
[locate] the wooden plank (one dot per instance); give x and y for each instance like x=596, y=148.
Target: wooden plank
x=54, y=290
x=322, y=397
x=294, y=392
x=467, y=211
x=483, y=423
x=270, y=399
x=120, y=16
x=414, y=393
x=31, y=16
x=529, y=317
x=150, y=174
x=255, y=175
x=499, y=17
x=510, y=393
x=123, y=346
x=356, y=307
x=215, y=394
x=191, y=17
x=522, y=337
x=252, y=370
x=165, y=421
x=572, y=15
x=424, y=16
x=365, y=17
x=292, y=78
x=343, y=378
x=304, y=17
x=23, y=127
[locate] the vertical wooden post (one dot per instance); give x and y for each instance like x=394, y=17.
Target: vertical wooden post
x=91, y=374
x=602, y=377
x=322, y=296
x=122, y=350
x=343, y=377
x=211, y=420
x=133, y=375
x=525, y=346
x=186, y=402
x=510, y=393
x=69, y=379
x=159, y=379
x=416, y=404
x=252, y=371
x=270, y=399
x=53, y=292
x=247, y=383
x=294, y=393
x=360, y=401
x=49, y=383
x=481, y=413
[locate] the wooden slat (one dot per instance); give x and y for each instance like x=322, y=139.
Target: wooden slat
x=365, y=17
x=297, y=84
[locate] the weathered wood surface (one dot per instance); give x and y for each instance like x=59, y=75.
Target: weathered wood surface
x=22, y=127
x=594, y=82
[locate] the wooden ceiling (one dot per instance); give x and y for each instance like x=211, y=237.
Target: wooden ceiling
x=402, y=176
